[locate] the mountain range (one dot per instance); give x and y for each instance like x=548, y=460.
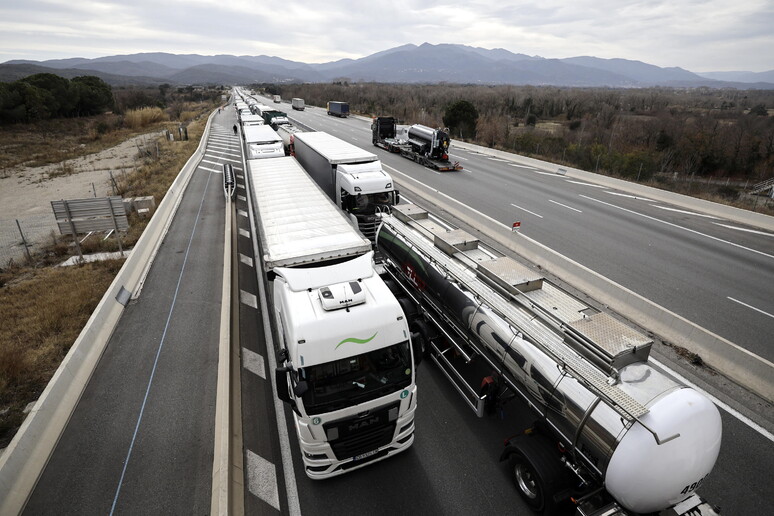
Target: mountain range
x=409, y=63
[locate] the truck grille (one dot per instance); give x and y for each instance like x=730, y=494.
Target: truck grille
x=359, y=435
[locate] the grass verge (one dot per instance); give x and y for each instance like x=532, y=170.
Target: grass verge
x=44, y=308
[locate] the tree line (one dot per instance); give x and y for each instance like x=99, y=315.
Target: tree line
x=636, y=133
x=45, y=95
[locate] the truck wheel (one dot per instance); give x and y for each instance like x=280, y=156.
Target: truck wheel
x=426, y=334
x=538, y=474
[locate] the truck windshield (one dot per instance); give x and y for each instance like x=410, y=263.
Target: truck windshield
x=368, y=203
x=354, y=380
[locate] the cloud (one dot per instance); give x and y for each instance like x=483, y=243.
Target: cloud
x=695, y=34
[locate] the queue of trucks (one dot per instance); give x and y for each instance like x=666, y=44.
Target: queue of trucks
x=346, y=366
x=609, y=435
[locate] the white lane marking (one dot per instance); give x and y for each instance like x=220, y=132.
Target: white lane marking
x=220, y=154
x=667, y=208
x=565, y=206
x=744, y=419
x=262, y=479
x=467, y=170
x=751, y=307
x=536, y=171
x=499, y=159
x=450, y=198
x=222, y=160
x=253, y=362
x=525, y=167
x=619, y=194
x=458, y=157
x=525, y=209
x=584, y=183
x=158, y=350
x=241, y=197
x=213, y=170
x=240, y=186
x=745, y=229
x=244, y=233
x=240, y=176
x=681, y=227
x=248, y=299
x=243, y=213
x=246, y=260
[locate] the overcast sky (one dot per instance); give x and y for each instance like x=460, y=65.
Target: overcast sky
x=698, y=35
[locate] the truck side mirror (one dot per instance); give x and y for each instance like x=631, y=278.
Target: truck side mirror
x=397, y=197
x=300, y=388
x=281, y=380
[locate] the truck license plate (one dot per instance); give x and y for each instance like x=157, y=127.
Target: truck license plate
x=364, y=455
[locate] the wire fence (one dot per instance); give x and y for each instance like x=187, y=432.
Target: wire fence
x=22, y=236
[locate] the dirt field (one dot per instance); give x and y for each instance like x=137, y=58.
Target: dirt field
x=26, y=192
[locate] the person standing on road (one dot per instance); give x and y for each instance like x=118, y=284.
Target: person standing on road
x=235, y=129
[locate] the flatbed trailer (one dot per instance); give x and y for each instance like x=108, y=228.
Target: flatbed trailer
x=384, y=135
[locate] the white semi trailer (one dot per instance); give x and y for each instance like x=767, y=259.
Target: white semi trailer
x=261, y=141
x=610, y=434
x=352, y=177
x=347, y=367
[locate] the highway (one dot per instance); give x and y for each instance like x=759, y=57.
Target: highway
x=453, y=465
x=141, y=438
x=714, y=272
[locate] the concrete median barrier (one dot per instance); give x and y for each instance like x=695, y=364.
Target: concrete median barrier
x=22, y=463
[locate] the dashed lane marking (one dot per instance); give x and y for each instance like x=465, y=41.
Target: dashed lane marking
x=244, y=233
x=245, y=259
x=262, y=479
x=253, y=362
x=248, y=299
x=241, y=197
x=243, y=213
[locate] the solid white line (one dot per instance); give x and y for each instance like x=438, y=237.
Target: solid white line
x=525, y=209
x=499, y=159
x=449, y=197
x=565, y=206
x=619, y=194
x=744, y=419
x=751, y=307
x=253, y=362
x=667, y=208
x=262, y=479
x=681, y=227
x=745, y=229
x=213, y=170
x=584, y=184
x=458, y=157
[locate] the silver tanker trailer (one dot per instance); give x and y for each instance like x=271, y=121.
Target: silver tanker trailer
x=611, y=434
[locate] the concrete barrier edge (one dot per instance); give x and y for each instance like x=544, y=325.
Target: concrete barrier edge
x=23, y=461
x=741, y=366
x=221, y=470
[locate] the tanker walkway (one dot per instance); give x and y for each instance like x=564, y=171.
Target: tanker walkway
x=141, y=439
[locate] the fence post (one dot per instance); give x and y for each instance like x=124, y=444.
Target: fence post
x=72, y=228
x=24, y=241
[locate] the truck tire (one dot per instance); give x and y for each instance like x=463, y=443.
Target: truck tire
x=426, y=334
x=538, y=474
x=409, y=309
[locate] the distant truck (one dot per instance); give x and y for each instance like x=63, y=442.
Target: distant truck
x=352, y=177
x=252, y=120
x=297, y=104
x=277, y=99
x=274, y=118
x=340, y=109
x=345, y=363
x=419, y=143
x=261, y=141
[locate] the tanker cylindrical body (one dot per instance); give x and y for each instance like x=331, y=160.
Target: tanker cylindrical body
x=641, y=474
x=431, y=143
